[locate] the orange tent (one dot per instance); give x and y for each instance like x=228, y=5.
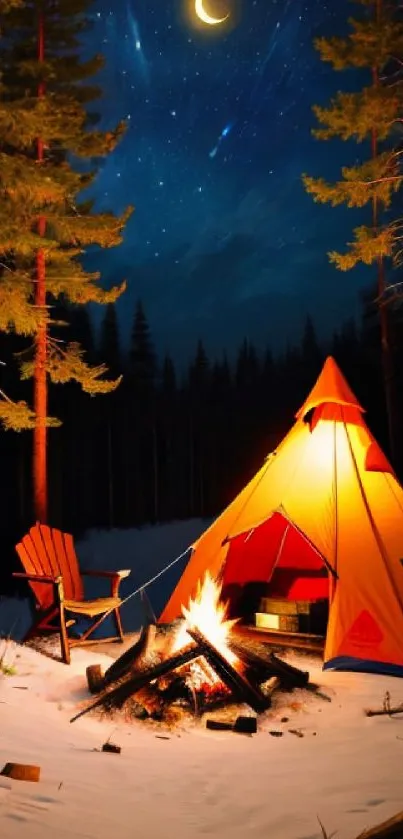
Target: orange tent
x=327, y=498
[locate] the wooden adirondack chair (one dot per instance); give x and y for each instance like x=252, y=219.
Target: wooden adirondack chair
x=52, y=571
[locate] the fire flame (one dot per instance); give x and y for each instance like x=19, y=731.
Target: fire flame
x=207, y=613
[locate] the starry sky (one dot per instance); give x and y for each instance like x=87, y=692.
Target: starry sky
x=224, y=242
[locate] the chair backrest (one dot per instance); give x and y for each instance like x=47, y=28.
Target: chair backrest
x=46, y=551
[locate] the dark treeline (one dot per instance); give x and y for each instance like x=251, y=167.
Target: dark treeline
x=164, y=446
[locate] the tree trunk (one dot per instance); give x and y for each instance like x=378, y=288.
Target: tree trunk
x=40, y=379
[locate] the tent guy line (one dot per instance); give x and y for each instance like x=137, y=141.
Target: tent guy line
x=156, y=576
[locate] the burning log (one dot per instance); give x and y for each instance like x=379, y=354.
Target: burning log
x=118, y=695
x=261, y=665
x=97, y=681
x=130, y=658
x=269, y=665
x=236, y=682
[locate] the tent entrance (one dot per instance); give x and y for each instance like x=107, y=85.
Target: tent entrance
x=276, y=561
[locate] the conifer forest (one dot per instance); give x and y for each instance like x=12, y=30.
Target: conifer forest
x=169, y=444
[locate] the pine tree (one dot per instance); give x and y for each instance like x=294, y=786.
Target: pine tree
x=109, y=342
x=141, y=430
x=369, y=117
x=311, y=355
x=247, y=367
x=171, y=447
x=199, y=373
x=142, y=360
x=45, y=223
x=168, y=378
x=199, y=378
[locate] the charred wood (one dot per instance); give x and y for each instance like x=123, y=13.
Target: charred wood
x=289, y=674
x=391, y=829
x=117, y=696
x=242, y=725
x=137, y=651
x=261, y=665
x=236, y=682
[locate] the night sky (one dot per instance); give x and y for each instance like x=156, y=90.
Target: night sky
x=224, y=242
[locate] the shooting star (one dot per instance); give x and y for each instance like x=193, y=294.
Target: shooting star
x=138, y=46
x=224, y=133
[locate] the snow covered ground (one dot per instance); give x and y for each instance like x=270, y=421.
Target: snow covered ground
x=190, y=782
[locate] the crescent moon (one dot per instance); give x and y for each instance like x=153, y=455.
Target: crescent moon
x=205, y=17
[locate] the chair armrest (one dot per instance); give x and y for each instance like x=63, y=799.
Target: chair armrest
x=110, y=574
x=114, y=576
x=37, y=578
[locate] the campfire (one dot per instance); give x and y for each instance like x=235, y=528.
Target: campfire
x=208, y=614
x=199, y=663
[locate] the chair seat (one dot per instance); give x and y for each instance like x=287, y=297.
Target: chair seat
x=92, y=607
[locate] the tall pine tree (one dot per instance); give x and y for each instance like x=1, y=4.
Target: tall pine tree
x=45, y=226
x=109, y=341
x=141, y=431
x=369, y=117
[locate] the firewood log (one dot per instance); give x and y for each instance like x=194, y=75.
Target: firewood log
x=237, y=682
x=132, y=656
x=290, y=674
x=95, y=679
x=21, y=771
x=390, y=829
x=261, y=665
x=118, y=695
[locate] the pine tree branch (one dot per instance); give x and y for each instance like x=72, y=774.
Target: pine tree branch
x=368, y=247
x=15, y=416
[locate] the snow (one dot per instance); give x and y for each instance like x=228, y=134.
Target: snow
x=190, y=782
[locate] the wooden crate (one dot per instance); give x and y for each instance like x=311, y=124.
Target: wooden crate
x=281, y=623
x=280, y=606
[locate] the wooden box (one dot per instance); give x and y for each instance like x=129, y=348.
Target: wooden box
x=280, y=606
x=280, y=623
